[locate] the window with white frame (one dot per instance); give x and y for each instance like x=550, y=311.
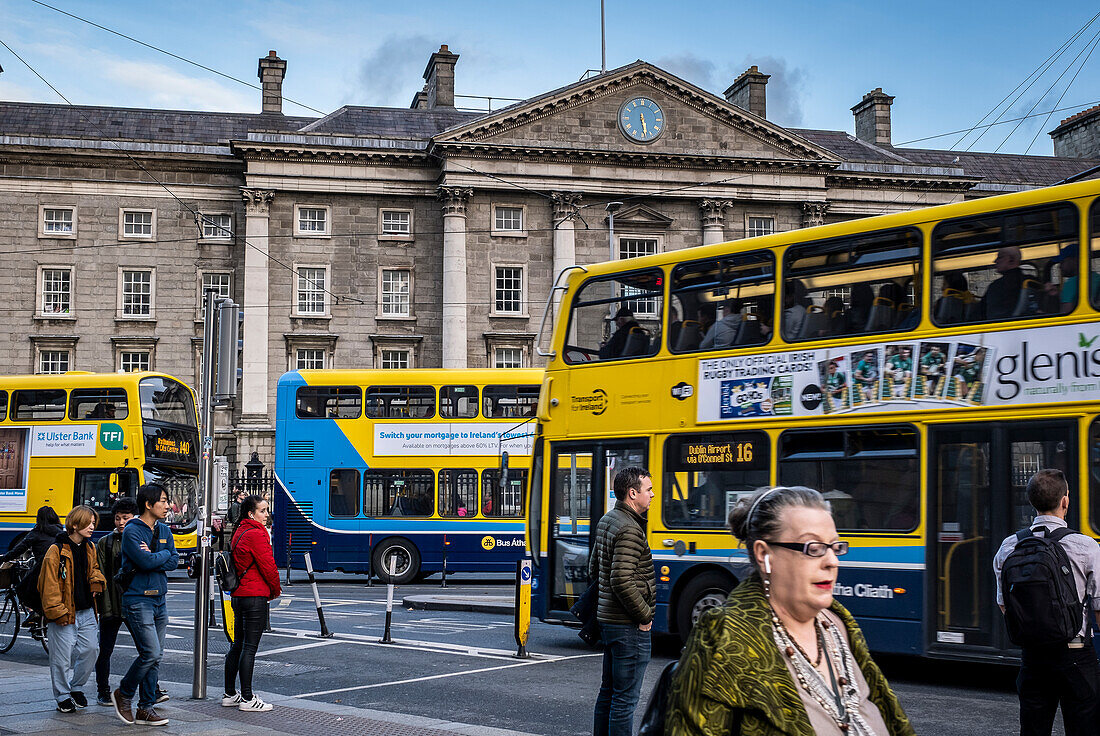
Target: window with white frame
x=57, y=291
x=508, y=358
x=312, y=285
x=760, y=226
x=396, y=292
x=396, y=222
x=508, y=219
x=138, y=223
x=133, y=360
x=137, y=293
x=221, y=283
x=312, y=221
x=634, y=247
x=217, y=227
x=58, y=221
x=508, y=290
x=395, y=359
x=53, y=361
x=306, y=359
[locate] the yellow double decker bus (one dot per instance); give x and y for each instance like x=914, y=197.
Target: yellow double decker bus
x=915, y=368
x=91, y=438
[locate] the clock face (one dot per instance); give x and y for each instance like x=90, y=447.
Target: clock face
x=641, y=119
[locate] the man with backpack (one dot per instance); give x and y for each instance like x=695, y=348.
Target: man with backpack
x=1047, y=585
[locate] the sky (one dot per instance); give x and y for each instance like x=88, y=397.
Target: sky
x=948, y=63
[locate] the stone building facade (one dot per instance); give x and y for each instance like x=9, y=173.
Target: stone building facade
x=406, y=238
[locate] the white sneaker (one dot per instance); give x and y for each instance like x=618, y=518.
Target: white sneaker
x=255, y=705
x=230, y=701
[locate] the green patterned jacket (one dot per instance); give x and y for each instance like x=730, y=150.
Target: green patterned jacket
x=732, y=672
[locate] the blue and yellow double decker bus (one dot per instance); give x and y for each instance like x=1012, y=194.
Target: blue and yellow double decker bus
x=90, y=438
x=381, y=469
x=915, y=368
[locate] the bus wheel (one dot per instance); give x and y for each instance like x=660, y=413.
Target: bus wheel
x=402, y=554
x=706, y=591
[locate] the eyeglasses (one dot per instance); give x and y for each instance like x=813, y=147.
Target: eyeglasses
x=814, y=549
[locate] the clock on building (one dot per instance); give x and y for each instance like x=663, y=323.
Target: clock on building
x=641, y=119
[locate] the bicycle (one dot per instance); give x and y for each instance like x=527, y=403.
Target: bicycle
x=11, y=610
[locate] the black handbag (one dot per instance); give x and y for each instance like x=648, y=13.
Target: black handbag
x=653, y=722
x=585, y=611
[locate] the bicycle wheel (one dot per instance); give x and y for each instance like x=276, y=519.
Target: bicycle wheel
x=9, y=621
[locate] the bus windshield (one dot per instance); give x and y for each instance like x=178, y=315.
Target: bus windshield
x=183, y=490
x=165, y=400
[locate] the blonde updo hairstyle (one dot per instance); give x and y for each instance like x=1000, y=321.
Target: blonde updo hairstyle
x=759, y=515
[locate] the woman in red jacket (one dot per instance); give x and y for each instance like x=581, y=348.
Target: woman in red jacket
x=259, y=583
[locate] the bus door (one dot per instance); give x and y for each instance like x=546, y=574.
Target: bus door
x=100, y=488
x=580, y=492
x=977, y=496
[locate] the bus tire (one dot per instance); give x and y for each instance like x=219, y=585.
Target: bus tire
x=408, y=560
x=705, y=591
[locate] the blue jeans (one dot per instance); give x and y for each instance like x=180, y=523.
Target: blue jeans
x=626, y=654
x=73, y=650
x=147, y=619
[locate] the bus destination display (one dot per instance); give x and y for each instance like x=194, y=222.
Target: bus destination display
x=720, y=451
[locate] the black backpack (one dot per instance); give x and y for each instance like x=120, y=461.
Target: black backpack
x=225, y=570
x=1040, y=598
x=27, y=588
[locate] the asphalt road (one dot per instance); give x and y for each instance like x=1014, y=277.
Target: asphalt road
x=459, y=665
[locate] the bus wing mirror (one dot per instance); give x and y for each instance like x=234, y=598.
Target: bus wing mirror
x=503, y=470
x=114, y=483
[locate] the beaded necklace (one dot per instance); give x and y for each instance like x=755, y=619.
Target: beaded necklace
x=838, y=697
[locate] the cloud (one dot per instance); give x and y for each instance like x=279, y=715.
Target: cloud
x=156, y=85
x=390, y=75
x=691, y=68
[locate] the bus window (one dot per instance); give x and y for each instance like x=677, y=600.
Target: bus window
x=98, y=403
x=852, y=286
x=616, y=317
x=1094, y=255
x=458, y=402
x=705, y=475
x=328, y=402
x=93, y=488
x=504, y=502
x=46, y=404
x=3, y=405
x=457, y=493
x=165, y=400
x=398, y=492
x=507, y=402
x=722, y=303
x=343, y=493
x=870, y=476
x=400, y=402
x=1001, y=266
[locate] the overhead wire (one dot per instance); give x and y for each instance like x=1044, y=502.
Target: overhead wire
x=1039, y=129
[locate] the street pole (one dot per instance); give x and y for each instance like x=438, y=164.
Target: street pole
x=603, y=40
x=206, y=470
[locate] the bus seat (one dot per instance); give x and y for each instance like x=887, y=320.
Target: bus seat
x=836, y=322
x=881, y=316
x=749, y=333
x=1028, y=300
x=951, y=307
x=637, y=342
x=905, y=313
x=815, y=324
x=691, y=334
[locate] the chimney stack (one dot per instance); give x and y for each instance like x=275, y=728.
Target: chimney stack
x=420, y=100
x=271, y=72
x=440, y=78
x=1078, y=136
x=749, y=91
x=873, y=117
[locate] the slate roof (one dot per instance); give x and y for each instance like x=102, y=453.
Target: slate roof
x=86, y=121
x=389, y=122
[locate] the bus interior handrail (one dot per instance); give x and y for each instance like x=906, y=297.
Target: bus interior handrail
x=546, y=312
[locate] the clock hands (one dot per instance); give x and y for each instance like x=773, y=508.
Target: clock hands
x=645, y=130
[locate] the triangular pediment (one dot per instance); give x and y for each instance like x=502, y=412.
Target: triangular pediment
x=642, y=217
x=585, y=116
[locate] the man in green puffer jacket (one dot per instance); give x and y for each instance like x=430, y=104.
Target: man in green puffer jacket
x=109, y=550
x=623, y=565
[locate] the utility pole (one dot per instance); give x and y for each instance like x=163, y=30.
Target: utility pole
x=219, y=384
x=612, y=208
x=603, y=40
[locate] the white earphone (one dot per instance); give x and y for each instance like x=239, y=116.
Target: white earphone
x=768, y=564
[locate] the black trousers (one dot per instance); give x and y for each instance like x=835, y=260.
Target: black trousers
x=1059, y=676
x=250, y=620
x=108, y=634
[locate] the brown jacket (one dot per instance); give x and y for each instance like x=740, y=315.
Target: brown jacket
x=56, y=588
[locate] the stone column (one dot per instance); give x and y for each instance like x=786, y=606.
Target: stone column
x=714, y=220
x=454, y=275
x=255, y=430
x=566, y=206
x=813, y=213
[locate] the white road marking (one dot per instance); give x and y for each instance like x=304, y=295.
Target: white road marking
x=440, y=677
x=325, y=643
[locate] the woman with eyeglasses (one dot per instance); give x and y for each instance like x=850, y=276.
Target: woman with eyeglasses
x=781, y=656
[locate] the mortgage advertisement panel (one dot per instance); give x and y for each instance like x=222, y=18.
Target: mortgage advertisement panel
x=443, y=438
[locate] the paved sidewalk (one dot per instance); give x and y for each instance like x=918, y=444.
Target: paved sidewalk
x=27, y=706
